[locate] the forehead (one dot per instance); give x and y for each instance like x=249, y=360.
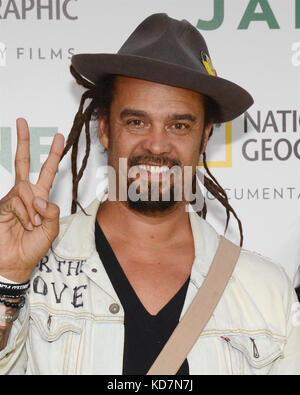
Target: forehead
x=152, y=96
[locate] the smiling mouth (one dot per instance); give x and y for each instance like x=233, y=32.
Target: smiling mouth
x=153, y=173
x=154, y=169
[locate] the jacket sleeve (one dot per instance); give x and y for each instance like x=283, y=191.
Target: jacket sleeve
x=13, y=358
x=289, y=363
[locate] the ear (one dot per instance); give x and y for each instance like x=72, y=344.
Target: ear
x=103, y=129
x=205, y=136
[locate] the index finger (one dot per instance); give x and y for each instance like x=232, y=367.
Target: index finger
x=50, y=166
x=22, y=159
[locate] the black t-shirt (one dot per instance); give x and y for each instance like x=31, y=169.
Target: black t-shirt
x=145, y=334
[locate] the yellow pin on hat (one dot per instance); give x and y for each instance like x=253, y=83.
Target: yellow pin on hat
x=208, y=64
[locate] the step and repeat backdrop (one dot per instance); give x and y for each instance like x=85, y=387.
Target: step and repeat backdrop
x=256, y=158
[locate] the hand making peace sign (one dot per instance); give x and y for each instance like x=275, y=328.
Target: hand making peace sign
x=29, y=223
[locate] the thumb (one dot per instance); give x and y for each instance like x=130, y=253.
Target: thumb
x=49, y=213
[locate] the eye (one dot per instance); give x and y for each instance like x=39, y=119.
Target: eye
x=180, y=127
x=136, y=123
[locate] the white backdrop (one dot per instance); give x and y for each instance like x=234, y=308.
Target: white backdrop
x=255, y=43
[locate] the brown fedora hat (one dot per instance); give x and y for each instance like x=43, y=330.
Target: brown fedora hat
x=165, y=50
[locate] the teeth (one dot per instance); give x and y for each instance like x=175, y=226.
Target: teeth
x=154, y=169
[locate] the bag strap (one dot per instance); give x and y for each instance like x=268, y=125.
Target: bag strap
x=199, y=312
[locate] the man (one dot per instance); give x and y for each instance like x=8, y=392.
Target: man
x=110, y=283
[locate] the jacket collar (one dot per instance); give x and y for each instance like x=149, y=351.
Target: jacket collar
x=76, y=240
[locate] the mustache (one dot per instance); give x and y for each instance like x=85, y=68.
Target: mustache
x=153, y=160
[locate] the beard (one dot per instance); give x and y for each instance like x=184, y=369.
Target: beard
x=153, y=206
x=144, y=203
x=161, y=205
x=167, y=196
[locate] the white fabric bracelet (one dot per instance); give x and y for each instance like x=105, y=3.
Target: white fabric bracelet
x=5, y=280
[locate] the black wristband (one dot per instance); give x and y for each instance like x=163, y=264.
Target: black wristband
x=14, y=290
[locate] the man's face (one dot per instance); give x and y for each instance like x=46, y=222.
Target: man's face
x=155, y=127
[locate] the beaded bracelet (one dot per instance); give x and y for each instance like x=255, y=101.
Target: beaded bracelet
x=14, y=305
x=10, y=296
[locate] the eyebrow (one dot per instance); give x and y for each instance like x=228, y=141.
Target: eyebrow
x=131, y=112
x=178, y=117
x=127, y=112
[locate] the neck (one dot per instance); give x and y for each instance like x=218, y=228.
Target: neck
x=163, y=228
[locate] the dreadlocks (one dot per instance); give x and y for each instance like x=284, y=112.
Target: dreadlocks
x=101, y=97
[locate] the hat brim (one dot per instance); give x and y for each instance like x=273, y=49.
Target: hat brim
x=232, y=99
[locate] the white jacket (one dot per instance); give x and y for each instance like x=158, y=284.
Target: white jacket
x=73, y=322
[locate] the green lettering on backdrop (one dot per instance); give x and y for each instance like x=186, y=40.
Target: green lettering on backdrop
x=37, y=149
x=217, y=20
x=266, y=15
x=5, y=148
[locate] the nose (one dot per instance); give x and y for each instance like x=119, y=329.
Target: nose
x=157, y=141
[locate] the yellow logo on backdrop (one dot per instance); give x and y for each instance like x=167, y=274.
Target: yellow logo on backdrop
x=228, y=150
